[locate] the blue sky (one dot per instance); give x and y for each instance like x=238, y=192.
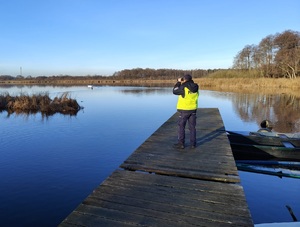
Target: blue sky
x=89, y=37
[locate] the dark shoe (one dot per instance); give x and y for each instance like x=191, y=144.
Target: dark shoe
x=193, y=146
x=178, y=146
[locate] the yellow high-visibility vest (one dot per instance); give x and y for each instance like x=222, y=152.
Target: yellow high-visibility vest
x=189, y=102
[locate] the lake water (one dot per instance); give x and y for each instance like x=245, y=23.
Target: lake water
x=49, y=165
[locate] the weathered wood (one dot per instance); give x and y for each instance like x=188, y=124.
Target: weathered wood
x=156, y=200
x=211, y=160
x=171, y=187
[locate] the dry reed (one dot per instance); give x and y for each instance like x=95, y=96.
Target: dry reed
x=39, y=103
x=247, y=85
x=229, y=82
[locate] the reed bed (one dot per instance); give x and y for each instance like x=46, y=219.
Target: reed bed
x=24, y=103
x=250, y=82
x=229, y=80
x=248, y=85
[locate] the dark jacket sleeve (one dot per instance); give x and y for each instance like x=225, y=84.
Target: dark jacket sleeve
x=178, y=89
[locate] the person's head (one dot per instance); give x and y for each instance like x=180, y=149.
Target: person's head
x=187, y=77
x=266, y=124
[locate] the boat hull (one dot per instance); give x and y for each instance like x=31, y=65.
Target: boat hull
x=254, y=147
x=261, y=152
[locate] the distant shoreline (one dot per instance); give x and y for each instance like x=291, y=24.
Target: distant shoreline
x=252, y=85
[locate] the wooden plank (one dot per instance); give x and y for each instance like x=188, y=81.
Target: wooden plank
x=136, y=198
x=171, y=187
x=211, y=160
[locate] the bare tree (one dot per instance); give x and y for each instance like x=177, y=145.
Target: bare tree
x=275, y=56
x=243, y=60
x=288, y=53
x=266, y=56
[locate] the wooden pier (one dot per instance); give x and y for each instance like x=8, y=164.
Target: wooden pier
x=159, y=185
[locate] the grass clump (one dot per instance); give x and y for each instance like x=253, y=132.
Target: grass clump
x=39, y=103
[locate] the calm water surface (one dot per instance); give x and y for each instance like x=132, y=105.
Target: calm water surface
x=48, y=165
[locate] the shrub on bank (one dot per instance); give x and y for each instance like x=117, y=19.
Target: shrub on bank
x=230, y=73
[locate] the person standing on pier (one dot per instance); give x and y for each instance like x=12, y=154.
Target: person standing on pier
x=188, y=93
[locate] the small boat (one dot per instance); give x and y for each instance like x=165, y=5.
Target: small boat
x=90, y=86
x=264, y=146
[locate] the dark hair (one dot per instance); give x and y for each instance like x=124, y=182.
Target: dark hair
x=187, y=77
x=266, y=124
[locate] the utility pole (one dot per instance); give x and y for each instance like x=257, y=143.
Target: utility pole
x=21, y=70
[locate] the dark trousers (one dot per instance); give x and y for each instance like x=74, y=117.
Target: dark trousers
x=184, y=117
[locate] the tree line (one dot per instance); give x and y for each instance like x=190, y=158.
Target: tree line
x=275, y=56
x=126, y=74
x=160, y=74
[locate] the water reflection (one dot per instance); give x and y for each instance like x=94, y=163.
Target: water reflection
x=44, y=116
x=145, y=91
x=283, y=110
